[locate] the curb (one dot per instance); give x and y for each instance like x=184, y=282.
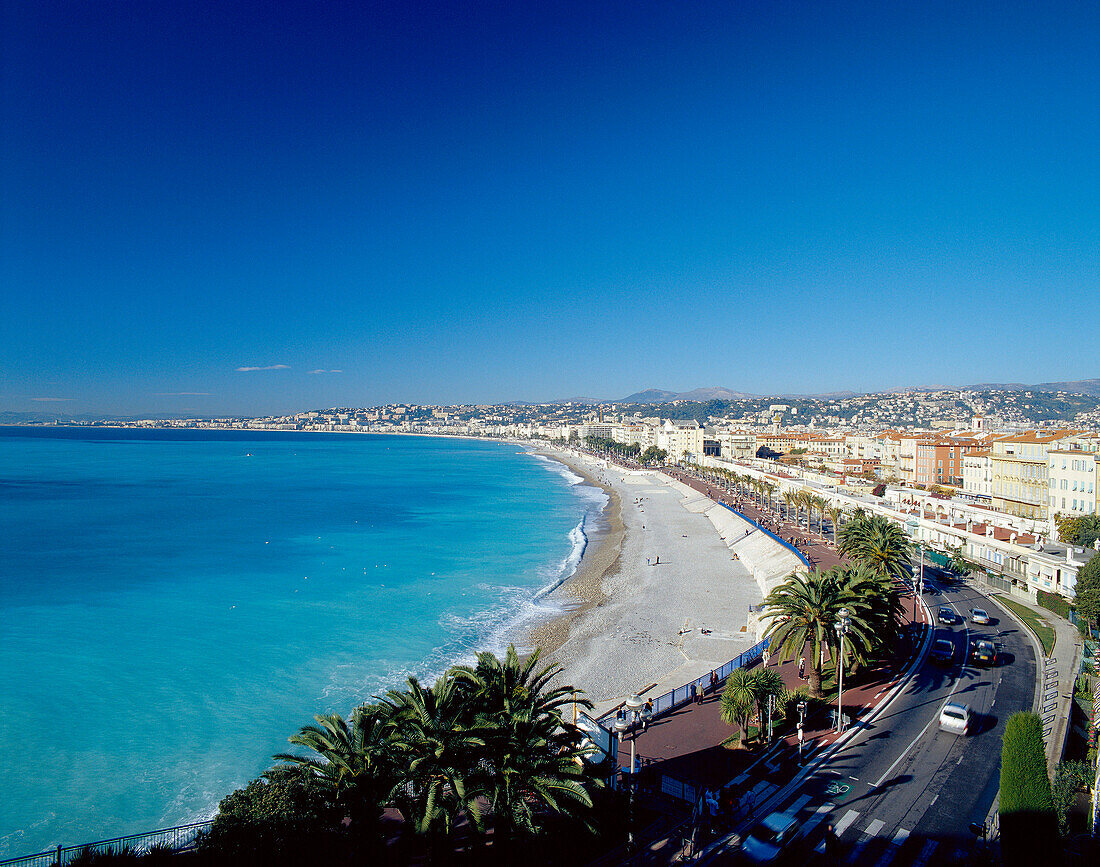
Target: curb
x=719, y=846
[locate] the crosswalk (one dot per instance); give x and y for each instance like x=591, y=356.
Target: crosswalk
x=859, y=839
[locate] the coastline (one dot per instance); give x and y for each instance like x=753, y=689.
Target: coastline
x=583, y=590
x=661, y=600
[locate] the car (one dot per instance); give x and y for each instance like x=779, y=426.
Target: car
x=984, y=652
x=943, y=651
x=955, y=717
x=772, y=837
x=944, y=614
x=980, y=616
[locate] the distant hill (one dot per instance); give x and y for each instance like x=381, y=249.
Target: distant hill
x=1090, y=387
x=650, y=395
x=714, y=393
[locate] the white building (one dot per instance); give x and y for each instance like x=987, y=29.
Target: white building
x=679, y=436
x=1073, y=482
x=977, y=475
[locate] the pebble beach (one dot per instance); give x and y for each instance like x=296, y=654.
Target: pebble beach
x=631, y=621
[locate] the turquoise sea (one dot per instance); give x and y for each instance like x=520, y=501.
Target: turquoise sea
x=174, y=604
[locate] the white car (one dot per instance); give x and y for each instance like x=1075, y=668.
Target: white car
x=771, y=838
x=979, y=615
x=955, y=717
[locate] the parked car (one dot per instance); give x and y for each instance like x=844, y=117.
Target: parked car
x=979, y=615
x=945, y=614
x=984, y=652
x=943, y=651
x=771, y=838
x=955, y=717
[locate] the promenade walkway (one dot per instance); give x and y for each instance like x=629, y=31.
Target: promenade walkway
x=685, y=747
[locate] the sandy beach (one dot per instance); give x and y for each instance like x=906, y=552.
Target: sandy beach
x=635, y=621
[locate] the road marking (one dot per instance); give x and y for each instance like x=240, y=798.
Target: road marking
x=892, y=850
x=839, y=828
x=817, y=818
x=801, y=802
x=925, y=853
x=868, y=835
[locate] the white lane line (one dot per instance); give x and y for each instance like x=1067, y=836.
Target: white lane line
x=866, y=837
x=895, y=846
x=839, y=828
x=817, y=818
x=801, y=802
x=925, y=853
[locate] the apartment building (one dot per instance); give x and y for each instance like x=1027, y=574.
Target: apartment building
x=1072, y=476
x=679, y=436
x=1021, y=472
x=940, y=461
x=978, y=475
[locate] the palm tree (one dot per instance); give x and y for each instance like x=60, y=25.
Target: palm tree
x=533, y=763
x=354, y=763
x=834, y=512
x=769, y=684
x=803, y=610
x=790, y=498
x=441, y=753
x=820, y=506
x=739, y=700
x=876, y=542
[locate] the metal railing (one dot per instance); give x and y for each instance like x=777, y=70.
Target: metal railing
x=177, y=838
x=681, y=695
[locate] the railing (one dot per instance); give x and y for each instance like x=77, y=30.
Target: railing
x=681, y=695
x=180, y=837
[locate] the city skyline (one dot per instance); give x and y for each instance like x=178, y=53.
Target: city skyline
x=249, y=211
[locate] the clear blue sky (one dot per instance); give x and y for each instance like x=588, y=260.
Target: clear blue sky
x=479, y=202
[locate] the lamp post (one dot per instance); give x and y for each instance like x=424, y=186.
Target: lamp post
x=801, y=734
x=841, y=627
x=634, y=706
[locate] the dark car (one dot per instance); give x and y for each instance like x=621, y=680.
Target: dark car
x=945, y=614
x=983, y=653
x=943, y=652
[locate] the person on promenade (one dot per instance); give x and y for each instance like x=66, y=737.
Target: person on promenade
x=713, y=681
x=802, y=668
x=693, y=690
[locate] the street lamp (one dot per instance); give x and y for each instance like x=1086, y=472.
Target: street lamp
x=841, y=627
x=634, y=706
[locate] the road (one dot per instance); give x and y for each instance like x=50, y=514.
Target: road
x=902, y=791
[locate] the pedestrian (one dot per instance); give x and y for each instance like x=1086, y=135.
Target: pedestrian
x=830, y=841
x=693, y=689
x=714, y=681
x=658, y=560
x=802, y=668
x=647, y=559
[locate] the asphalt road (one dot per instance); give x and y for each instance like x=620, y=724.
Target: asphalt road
x=903, y=792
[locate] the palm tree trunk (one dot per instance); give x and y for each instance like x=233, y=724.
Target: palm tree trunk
x=815, y=677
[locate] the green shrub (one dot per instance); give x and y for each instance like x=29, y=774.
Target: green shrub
x=1028, y=825
x=1053, y=602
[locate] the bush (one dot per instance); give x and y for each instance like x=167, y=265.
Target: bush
x=277, y=820
x=1053, y=602
x=1028, y=825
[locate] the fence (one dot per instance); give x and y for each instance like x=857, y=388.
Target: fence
x=681, y=695
x=180, y=837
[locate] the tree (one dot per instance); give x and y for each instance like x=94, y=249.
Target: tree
x=354, y=764
x=1028, y=826
x=877, y=543
x=1087, y=592
x=1069, y=778
x=803, y=611
x=835, y=511
x=280, y=819
x=440, y=754
x=769, y=684
x=739, y=700
x=533, y=762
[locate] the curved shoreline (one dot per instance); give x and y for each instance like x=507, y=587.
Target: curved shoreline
x=583, y=590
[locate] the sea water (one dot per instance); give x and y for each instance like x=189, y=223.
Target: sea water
x=175, y=604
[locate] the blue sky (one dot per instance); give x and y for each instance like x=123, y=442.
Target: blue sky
x=476, y=202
